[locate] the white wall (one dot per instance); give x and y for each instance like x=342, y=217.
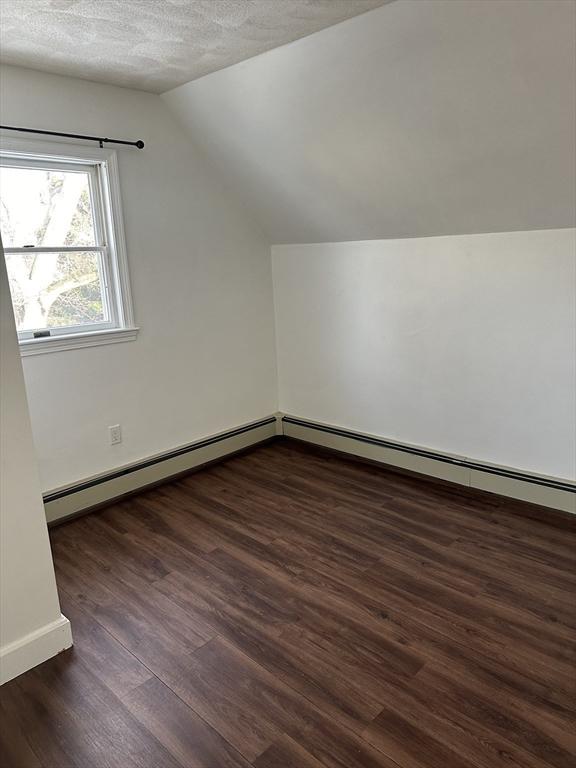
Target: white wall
x=29, y=607
x=423, y=117
x=200, y=271
x=463, y=344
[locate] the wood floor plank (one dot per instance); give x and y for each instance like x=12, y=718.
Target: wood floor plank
x=192, y=742
x=286, y=753
x=72, y=720
x=107, y=659
x=293, y=665
x=383, y=606
x=142, y=618
x=417, y=736
x=290, y=608
x=15, y=748
x=431, y=502
x=557, y=748
x=409, y=745
x=251, y=707
x=510, y=620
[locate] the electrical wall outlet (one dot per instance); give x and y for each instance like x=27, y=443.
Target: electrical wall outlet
x=115, y=434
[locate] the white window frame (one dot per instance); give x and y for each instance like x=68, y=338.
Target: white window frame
x=102, y=165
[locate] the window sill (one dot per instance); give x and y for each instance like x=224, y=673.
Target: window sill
x=76, y=341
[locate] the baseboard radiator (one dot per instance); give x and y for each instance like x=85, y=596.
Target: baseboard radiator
x=97, y=491
x=546, y=491
x=67, y=502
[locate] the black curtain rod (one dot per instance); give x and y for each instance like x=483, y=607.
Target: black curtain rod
x=99, y=139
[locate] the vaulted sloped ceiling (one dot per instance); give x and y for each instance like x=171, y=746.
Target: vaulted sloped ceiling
x=417, y=118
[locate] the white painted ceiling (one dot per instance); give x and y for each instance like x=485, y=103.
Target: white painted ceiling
x=156, y=45
x=423, y=117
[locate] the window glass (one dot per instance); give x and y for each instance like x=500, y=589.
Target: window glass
x=51, y=290
x=46, y=207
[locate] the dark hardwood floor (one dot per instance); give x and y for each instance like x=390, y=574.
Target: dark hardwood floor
x=289, y=609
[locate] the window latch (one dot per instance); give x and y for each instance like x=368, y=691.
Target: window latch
x=41, y=334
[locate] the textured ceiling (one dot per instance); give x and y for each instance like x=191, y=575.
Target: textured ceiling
x=156, y=45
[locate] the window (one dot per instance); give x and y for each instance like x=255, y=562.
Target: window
x=62, y=233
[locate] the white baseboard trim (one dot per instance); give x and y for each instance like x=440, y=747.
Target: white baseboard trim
x=102, y=489
x=32, y=649
x=543, y=490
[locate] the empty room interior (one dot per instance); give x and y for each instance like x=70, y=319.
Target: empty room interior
x=288, y=384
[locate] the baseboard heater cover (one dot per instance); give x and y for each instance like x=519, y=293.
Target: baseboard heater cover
x=78, y=497
x=547, y=491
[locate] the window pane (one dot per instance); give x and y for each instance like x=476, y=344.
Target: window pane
x=51, y=290
x=45, y=208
